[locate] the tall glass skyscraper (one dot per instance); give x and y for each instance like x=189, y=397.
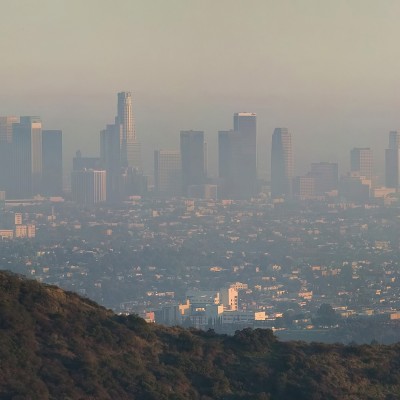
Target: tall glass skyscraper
x=130, y=147
x=281, y=164
x=27, y=157
x=52, y=184
x=361, y=161
x=6, y=131
x=392, y=161
x=237, y=150
x=194, y=159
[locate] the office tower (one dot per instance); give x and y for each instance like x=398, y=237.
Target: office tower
x=281, y=164
x=326, y=177
x=133, y=183
x=394, y=140
x=168, y=172
x=2, y=208
x=303, y=187
x=52, y=163
x=225, y=141
x=88, y=186
x=361, y=162
x=237, y=150
x=130, y=147
x=245, y=124
x=119, y=149
x=194, y=158
x=110, y=157
x=354, y=187
x=6, y=128
x=229, y=299
x=392, y=164
x=27, y=157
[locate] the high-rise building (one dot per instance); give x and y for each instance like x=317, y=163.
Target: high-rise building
x=237, y=151
x=225, y=142
x=130, y=147
x=6, y=129
x=392, y=161
x=281, y=163
x=110, y=157
x=245, y=124
x=361, y=162
x=52, y=163
x=27, y=157
x=303, y=187
x=194, y=159
x=120, y=151
x=88, y=186
x=326, y=177
x=168, y=172
x=355, y=187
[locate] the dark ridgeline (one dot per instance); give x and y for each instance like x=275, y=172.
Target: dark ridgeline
x=56, y=345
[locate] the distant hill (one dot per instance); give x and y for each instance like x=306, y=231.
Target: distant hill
x=57, y=345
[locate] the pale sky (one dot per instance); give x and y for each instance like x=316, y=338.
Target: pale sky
x=329, y=70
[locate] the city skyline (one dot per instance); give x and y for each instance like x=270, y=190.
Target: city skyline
x=238, y=158
x=322, y=76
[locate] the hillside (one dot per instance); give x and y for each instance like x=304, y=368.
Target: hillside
x=57, y=345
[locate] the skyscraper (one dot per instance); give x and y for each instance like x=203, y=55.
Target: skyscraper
x=237, y=150
x=245, y=153
x=130, y=147
x=303, y=187
x=110, y=157
x=27, y=157
x=6, y=129
x=120, y=151
x=326, y=177
x=392, y=158
x=52, y=182
x=361, y=162
x=88, y=186
x=281, y=163
x=194, y=159
x=225, y=142
x=168, y=172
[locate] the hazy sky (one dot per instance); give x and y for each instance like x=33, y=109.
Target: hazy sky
x=327, y=70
